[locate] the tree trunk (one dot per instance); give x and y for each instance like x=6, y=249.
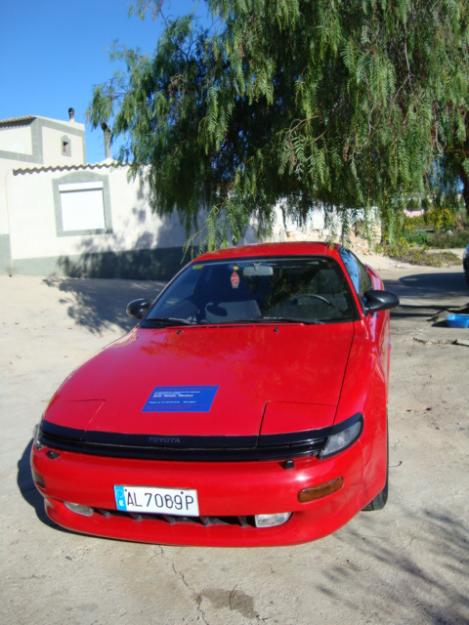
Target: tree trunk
x=465, y=191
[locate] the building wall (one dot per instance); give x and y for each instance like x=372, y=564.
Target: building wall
x=31, y=142
x=52, y=137
x=136, y=243
x=39, y=142
x=47, y=191
x=16, y=139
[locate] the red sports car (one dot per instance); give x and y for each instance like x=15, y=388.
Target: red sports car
x=246, y=408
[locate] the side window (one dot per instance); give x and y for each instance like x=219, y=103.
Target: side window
x=351, y=265
x=357, y=271
x=365, y=280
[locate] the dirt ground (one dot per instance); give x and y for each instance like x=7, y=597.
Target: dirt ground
x=408, y=564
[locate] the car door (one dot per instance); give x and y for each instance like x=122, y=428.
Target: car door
x=364, y=278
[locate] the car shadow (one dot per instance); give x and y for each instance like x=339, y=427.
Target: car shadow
x=29, y=492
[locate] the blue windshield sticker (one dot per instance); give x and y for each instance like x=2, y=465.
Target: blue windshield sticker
x=181, y=399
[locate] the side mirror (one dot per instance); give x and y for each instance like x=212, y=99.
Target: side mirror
x=374, y=300
x=138, y=308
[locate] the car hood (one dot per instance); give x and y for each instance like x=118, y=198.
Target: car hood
x=263, y=378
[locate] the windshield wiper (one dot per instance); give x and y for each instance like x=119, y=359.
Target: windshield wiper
x=288, y=320
x=169, y=321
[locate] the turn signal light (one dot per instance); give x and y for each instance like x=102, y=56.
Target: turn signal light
x=316, y=492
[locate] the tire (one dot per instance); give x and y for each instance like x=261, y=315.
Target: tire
x=381, y=498
x=379, y=501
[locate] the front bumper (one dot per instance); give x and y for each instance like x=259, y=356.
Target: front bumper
x=225, y=489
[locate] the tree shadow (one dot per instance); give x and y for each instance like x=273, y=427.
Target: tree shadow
x=429, y=286
x=100, y=304
x=145, y=247
x=157, y=253
x=424, y=570
x=430, y=289
x=409, y=310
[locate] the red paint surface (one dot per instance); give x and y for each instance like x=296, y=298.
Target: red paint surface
x=272, y=379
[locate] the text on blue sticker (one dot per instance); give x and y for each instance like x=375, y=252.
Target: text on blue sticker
x=181, y=399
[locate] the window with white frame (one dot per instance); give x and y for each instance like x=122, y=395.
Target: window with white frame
x=82, y=207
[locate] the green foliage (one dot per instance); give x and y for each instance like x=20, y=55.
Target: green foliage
x=418, y=237
x=343, y=103
x=453, y=238
x=439, y=227
x=440, y=218
x=421, y=256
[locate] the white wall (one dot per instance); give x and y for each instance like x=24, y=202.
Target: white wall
x=16, y=139
x=33, y=228
x=6, y=167
x=52, y=147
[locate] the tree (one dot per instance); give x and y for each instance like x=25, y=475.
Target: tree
x=457, y=153
x=343, y=103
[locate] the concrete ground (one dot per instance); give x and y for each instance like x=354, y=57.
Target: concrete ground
x=408, y=564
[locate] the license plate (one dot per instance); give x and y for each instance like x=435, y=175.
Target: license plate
x=147, y=499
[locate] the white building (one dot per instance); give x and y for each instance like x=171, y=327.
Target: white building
x=59, y=214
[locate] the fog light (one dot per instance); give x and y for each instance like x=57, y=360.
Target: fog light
x=316, y=492
x=79, y=509
x=271, y=520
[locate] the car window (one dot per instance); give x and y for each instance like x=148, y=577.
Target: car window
x=310, y=289
x=357, y=271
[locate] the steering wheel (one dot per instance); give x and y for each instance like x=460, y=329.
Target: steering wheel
x=313, y=296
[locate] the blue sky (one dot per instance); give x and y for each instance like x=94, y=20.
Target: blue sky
x=52, y=53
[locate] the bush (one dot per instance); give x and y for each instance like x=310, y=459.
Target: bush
x=441, y=218
x=421, y=256
x=413, y=223
x=458, y=238
x=439, y=227
x=419, y=237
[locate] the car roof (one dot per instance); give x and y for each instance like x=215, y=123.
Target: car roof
x=290, y=248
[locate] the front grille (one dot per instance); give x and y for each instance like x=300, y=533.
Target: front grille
x=172, y=519
x=185, y=448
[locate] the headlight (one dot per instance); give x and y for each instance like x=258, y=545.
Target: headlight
x=343, y=435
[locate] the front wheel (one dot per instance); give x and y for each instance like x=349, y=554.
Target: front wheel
x=381, y=498
x=379, y=501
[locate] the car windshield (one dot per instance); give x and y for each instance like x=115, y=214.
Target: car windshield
x=309, y=289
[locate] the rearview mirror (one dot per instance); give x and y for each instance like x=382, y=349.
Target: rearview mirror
x=138, y=308
x=258, y=270
x=374, y=300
